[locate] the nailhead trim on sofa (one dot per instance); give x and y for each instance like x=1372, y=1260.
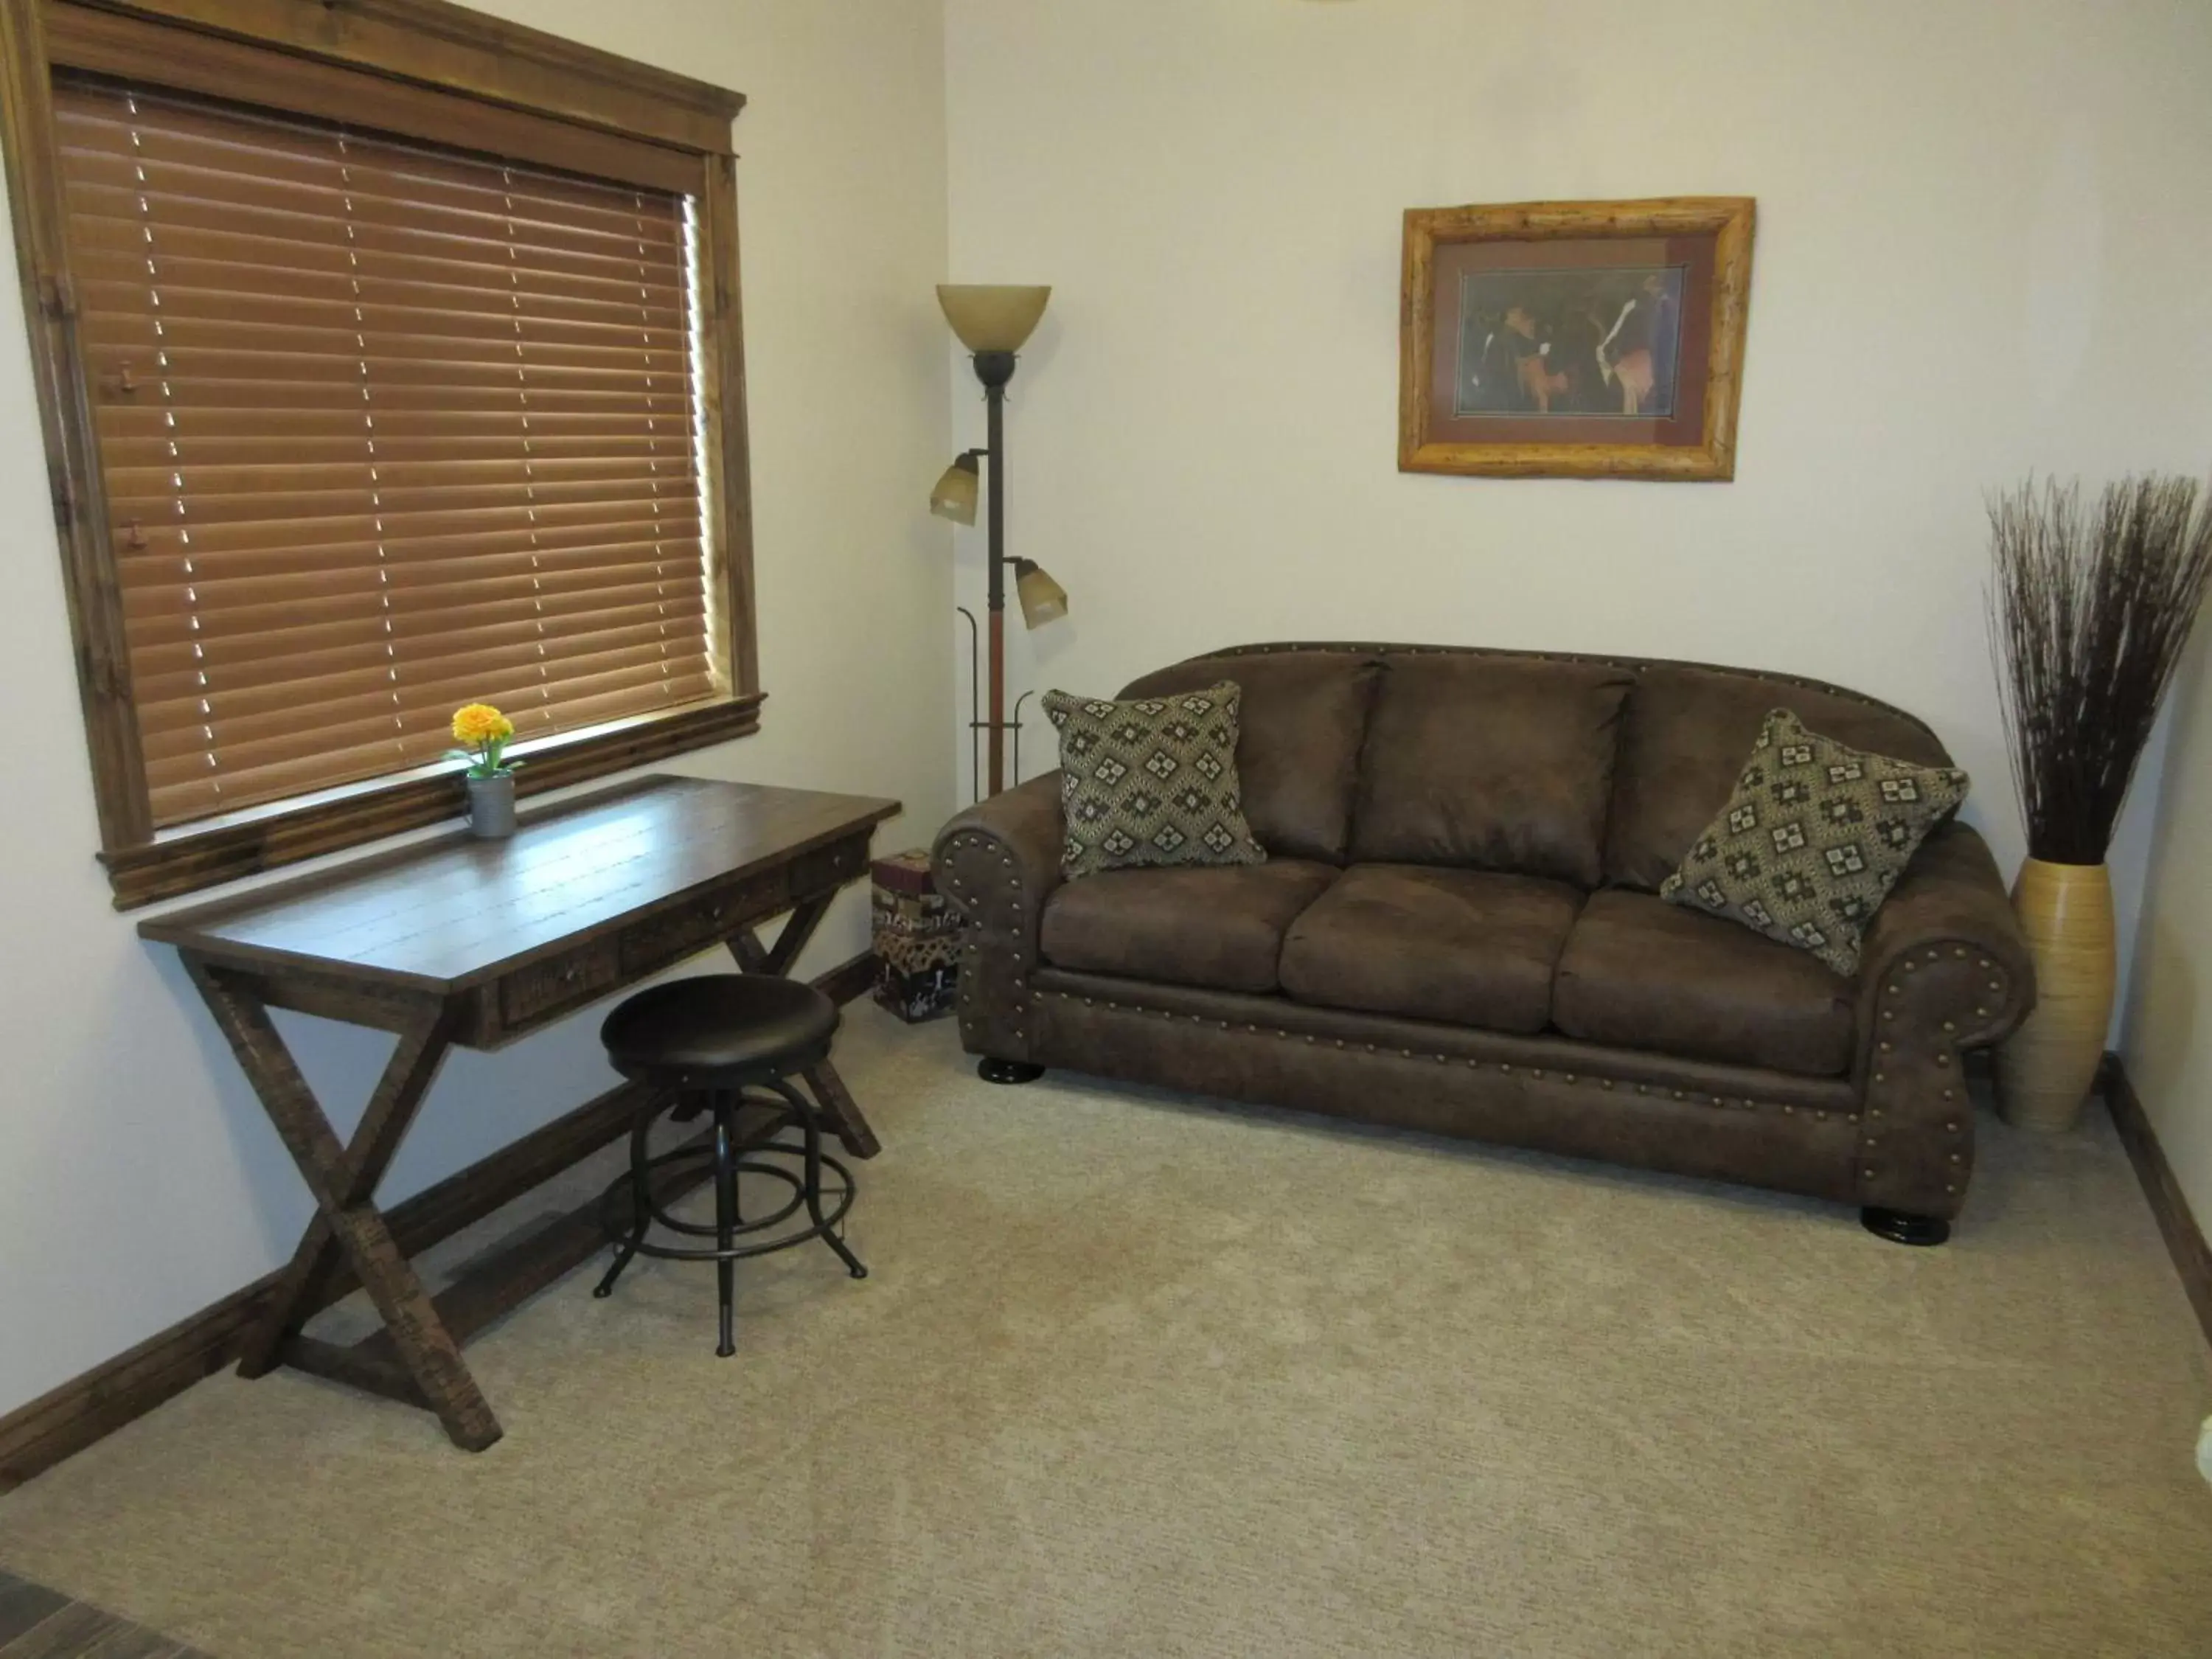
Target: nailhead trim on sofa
x=1889, y=1081
x=1330, y=647
x=1586, y=1079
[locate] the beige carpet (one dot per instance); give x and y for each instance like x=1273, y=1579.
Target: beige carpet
x=1135, y=1377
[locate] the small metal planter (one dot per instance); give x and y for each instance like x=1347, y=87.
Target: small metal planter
x=491, y=807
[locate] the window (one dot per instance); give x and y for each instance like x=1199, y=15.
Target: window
x=371, y=399
x=384, y=431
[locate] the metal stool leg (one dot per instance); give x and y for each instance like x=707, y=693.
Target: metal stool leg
x=726, y=1156
x=641, y=1212
x=726, y=1217
x=810, y=1128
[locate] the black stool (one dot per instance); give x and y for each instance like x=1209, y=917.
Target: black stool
x=699, y=1044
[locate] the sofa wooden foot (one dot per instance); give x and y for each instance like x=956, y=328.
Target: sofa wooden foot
x=993, y=1070
x=1898, y=1228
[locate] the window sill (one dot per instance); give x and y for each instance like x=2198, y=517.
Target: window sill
x=197, y=856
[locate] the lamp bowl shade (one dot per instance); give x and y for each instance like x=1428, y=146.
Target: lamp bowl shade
x=954, y=498
x=1043, y=599
x=992, y=319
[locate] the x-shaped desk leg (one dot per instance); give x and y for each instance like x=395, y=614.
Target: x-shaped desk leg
x=344, y=1178
x=839, y=1109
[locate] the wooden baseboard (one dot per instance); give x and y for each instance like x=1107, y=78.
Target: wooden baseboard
x=2185, y=1239
x=87, y=1408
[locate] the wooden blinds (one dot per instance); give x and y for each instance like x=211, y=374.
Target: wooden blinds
x=384, y=429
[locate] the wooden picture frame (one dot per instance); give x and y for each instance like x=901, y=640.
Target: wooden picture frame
x=1575, y=339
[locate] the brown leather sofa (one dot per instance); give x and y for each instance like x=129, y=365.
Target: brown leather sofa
x=1458, y=930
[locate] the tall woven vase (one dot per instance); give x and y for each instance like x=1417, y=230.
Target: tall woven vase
x=2045, y=1069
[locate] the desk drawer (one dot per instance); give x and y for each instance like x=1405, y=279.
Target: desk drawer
x=651, y=945
x=703, y=923
x=827, y=868
x=561, y=982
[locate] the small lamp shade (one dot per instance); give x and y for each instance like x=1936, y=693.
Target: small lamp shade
x=992, y=319
x=1043, y=599
x=954, y=498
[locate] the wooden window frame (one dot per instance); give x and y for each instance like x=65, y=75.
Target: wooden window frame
x=428, y=69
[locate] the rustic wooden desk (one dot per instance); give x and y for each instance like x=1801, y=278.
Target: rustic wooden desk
x=464, y=941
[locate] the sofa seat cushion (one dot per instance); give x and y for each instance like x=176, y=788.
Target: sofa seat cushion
x=1468, y=947
x=1218, y=926
x=1640, y=973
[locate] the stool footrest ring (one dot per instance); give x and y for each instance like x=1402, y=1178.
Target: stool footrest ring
x=617, y=1212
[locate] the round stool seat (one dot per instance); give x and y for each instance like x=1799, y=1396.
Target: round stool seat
x=719, y=1030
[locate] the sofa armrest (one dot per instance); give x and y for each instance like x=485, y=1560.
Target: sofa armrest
x=1950, y=907
x=997, y=863
x=1945, y=969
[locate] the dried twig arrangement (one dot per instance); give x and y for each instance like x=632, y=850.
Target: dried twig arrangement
x=2089, y=614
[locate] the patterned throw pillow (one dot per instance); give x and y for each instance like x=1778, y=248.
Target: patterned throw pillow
x=1151, y=781
x=1813, y=839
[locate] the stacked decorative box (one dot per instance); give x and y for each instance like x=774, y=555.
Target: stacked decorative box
x=917, y=938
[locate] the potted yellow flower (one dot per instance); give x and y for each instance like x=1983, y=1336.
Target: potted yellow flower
x=484, y=734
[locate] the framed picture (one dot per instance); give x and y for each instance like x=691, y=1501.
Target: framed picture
x=1574, y=339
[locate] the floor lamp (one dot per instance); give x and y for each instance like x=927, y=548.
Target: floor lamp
x=992, y=323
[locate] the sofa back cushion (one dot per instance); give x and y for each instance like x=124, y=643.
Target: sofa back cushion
x=1491, y=763
x=1689, y=730
x=1304, y=712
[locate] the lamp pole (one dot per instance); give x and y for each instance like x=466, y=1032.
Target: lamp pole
x=992, y=321
x=995, y=369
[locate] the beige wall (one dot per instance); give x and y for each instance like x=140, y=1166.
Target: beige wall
x=1982, y=250
x=139, y=1180
x=2167, y=1044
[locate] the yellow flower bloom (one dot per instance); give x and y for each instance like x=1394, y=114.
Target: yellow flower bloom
x=480, y=723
